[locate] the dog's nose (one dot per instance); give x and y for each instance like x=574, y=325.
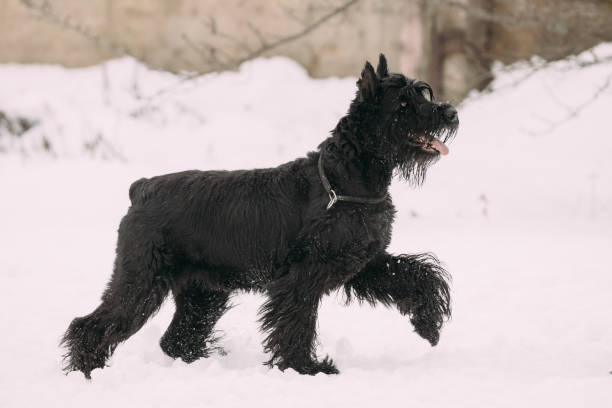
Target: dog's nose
x=451, y=114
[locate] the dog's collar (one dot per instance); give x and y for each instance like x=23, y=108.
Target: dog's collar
x=334, y=198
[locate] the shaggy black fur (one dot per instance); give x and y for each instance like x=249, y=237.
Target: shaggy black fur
x=205, y=234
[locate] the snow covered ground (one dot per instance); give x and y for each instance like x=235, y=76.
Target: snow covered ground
x=520, y=212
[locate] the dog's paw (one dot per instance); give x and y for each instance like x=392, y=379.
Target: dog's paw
x=85, y=346
x=83, y=363
x=427, y=322
x=326, y=366
x=185, y=350
x=429, y=330
x=431, y=334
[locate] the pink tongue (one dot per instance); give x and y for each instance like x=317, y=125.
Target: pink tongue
x=439, y=146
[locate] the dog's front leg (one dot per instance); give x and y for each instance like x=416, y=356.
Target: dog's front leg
x=289, y=316
x=416, y=284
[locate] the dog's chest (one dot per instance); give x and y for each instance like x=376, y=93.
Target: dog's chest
x=367, y=226
x=377, y=225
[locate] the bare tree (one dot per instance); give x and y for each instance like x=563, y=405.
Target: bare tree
x=484, y=31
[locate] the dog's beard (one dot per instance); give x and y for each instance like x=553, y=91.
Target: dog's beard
x=413, y=161
x=413, y=167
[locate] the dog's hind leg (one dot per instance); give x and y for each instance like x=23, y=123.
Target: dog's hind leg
x=190, y=334
x=135, y=292
x=416, y=284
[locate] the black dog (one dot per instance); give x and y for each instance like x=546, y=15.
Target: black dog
x=295, y=232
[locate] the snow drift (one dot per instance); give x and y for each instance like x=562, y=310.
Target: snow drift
x=520, y=211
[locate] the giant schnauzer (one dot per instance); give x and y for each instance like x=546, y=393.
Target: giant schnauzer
x=295, y=233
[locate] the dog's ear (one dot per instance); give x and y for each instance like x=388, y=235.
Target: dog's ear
x=382, y=71
x=368, y=83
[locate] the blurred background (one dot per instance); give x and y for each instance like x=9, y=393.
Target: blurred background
x=449, y=43
x=96, y=94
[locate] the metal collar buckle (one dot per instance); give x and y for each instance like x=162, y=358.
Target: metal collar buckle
x=333, y=199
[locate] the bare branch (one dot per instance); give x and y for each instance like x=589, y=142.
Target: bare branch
x=262, y=40
x=305, y=31
x=211, y=24
x=264, y=47
x=268, y=46
x=208, y=53
x=574, y=111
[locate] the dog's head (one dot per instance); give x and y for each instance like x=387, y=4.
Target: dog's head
x=404, y=125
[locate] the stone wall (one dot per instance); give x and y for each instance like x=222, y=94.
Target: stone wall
x=175, y=34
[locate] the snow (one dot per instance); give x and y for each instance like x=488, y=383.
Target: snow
x=520, y=212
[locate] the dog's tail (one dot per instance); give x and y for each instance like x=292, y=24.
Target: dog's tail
x=139, y=191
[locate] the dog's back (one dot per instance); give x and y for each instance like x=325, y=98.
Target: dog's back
x=213, y=217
